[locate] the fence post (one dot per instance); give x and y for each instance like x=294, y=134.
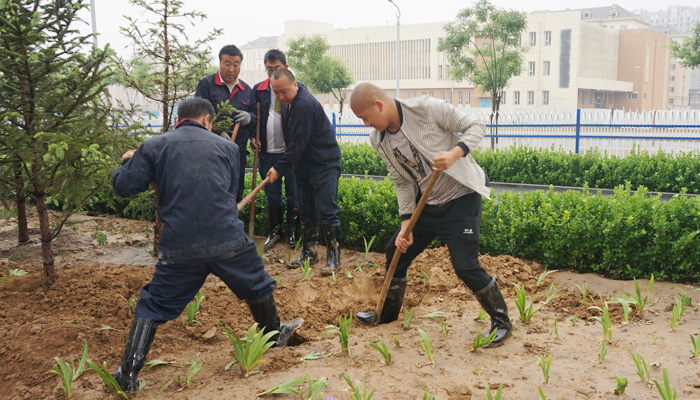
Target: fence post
x=334, y=131
x=578, y=127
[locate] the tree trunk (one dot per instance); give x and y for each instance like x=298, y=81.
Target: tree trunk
x=21, y=200
x=49, y=270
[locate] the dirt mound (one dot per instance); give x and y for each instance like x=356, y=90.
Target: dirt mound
x=99, y=283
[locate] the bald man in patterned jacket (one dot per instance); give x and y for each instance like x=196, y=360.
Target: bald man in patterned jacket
x=416, y=137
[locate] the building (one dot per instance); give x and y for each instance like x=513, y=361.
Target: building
x=253, y=66
x=680, y=18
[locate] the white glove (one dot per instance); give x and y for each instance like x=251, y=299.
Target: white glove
x=243, y=117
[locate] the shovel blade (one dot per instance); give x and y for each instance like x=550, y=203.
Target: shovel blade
x=367, y=318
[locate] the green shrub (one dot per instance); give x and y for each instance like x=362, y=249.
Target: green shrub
x=362, y=159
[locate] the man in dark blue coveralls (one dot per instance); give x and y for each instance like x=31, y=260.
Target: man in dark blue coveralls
x=196, y=173
x=224, y=85
x=313, y=153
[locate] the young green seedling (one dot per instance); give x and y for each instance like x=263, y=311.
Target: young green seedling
x=637, y=300
x=194, y=368
x=383, y=350
x=482, y=342
x=396, y=342
x=427, y=346
x=626, y=309
x=437, y=315
x=677, y=314
x=425, y=276
x=544, y=275
x=408, y=316
x=653, y=336
x=192, y=309
x=556, y=327
x=642, y=366
x=551, y=292
x=499, y=392
x=427, y=396
x=696, y=345
x=482, y=315
x=108, y=379
x=314, y=387
x=248, y=351
x=343, y=331
x=605, y=321
x=573, y=320
x=584, y=291
x=526, y=313
x=368, y=245
x=603, y=351
x=541, y=393
x=357, y=393
x=666, y=391
x=443, y=327
x=305, y=269
x=621, y=385
x=545, y=365
x=68, y=372
x=685, y=298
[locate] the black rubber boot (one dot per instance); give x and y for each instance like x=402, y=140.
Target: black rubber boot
x=332, y=234
x=137, y=346
x=293, y=224
x=274, y=218
x=309, y=238
x=265, y=314
x=392, y=303
x=492, y=302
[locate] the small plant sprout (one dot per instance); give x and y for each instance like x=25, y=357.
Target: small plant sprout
x=305, y=387
x=154, y=363
x=573, y=320
x=526, y=313
x=604, y=321
x=636, y=299
x=677, y=314
x=408, y=316
x=696, y=345
x=653, y=336
x=642, y=366
x=499, y=392
x=192, y=309
x=194, y=368
x=541, y=393
x=540, y=280
x=396, y=341
x=248, y=351
x=480, y=341
x=427, y=396
x=278, y=278
x=305, y=269
x=348, y=273
x=358, y=393
x=545, y=364
x=683, y=296
x=334, y=276
x=343, y=331
x=13, y=273
x=443, y=328
x=666, y=391
x=108, y=379
x=621, y=385
x=425, y=276
x=383, y=350
x=626, y=309
x=584, y=291
x=68, y=372
x=556, y=327
x=482, y=315
x=551, y=292
x=427, y=347
x=479, y=370
x=314, y=355
x=603, y=351
x=368, y=245
x=437, y=315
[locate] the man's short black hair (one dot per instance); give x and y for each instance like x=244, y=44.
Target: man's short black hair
x=230, y=50
x=275, y=55
x=283, y=72
x=194, y=107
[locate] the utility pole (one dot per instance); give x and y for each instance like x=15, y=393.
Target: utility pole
x=94, y=23
x=398, y=46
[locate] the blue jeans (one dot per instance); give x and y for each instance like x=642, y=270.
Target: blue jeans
x=273, y=191
x=318, y=192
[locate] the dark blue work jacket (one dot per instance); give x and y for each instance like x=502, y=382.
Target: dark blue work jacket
x=308, y=134
x=196, y=173
x=241, y=97
x=262, y=95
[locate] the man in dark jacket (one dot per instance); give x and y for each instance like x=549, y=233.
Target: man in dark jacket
x=272, y=146
x=313, y=153
x=196, y=173
x=223, y=86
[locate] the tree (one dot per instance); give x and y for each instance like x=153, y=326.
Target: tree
x=482, y=45
x=57, y=133
x=323, y=73
x=689, y=50
x=165, y=66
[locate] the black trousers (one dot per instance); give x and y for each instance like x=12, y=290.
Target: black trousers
x=457, y=224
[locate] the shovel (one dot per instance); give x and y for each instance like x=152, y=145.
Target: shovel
x=251, y=195
x=251, y=223
x=397, y=254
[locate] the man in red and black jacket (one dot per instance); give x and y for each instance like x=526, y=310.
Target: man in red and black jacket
x=313, y=153
x=272, y=146
x=224, y=85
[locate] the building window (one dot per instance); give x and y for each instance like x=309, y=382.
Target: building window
x=520, y=41
x=530, y=97
x=531, y=68
x=423, y=93
x=670, y=101
x=503, y=97
x=516, y=97
x=408, y=95
x=460, y=98
x=449, y=97
x=673, y=78
x=645, y=96
x=467, y=97
x=545, y=68
x=442, y=95
x=631, y=96
x=545, y=97
x=623, y=27
x=413, y=95
x=582, y=99
x=533, y=38
x=547, y=38
x=671, y=89
x=439, y=71
x=673, y=66
x=431, y=94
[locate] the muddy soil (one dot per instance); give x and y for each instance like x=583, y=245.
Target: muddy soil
x=99, y=283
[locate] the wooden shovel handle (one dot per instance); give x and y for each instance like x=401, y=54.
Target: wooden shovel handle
x=235, y=132
x=251, y=195
x=397, y=253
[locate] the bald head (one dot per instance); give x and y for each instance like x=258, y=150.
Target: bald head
x=364, y=95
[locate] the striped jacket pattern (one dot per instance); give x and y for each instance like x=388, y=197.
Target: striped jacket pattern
x=433, y=125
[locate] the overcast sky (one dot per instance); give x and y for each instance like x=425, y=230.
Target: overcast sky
x=243, y=21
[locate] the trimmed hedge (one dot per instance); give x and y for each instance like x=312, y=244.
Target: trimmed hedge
x=661, y=172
